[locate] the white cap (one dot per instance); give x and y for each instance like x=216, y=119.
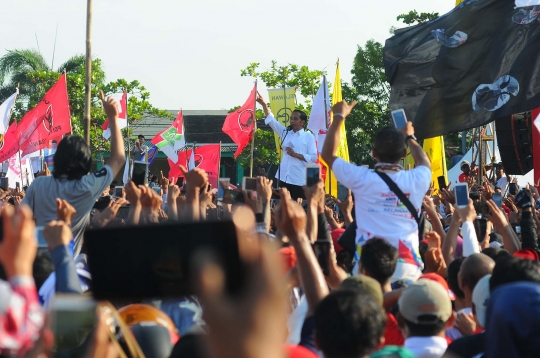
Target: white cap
x=480, y=299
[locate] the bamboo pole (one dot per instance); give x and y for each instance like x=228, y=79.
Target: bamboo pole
x=88, y=79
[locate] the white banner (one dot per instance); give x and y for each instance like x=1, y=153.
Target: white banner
x=525, y=3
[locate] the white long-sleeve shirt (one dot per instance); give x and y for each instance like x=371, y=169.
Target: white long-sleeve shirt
x=302, y=142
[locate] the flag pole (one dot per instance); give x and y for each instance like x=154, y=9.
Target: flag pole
x=19, y=151
x=128, y=159
x=88, y=79
x=219, y=161
x=254, y=130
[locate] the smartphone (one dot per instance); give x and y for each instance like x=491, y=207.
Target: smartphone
x=399, y=118
x=17, y=185
x=313, y=174
x=233, y=197
x=157, y=189
x=102, y=202
x=180, y=182
x=118, y=191
x=512, y=188
x=322, y=252
x=123, y=212
x=249, y=183
x=163, y=265
x=442, y=182
x=4, y=183
x=139, y=174
x=208, y=187
x=41, y=242
x=497, y=198
x=223, y=184
x=73, y=318
x=461, y=191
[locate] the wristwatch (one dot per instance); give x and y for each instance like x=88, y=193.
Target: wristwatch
x=410, y=137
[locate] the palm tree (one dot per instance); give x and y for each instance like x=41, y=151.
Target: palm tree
x=16, y=65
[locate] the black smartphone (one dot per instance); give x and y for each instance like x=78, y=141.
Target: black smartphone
x=233, y=197
x=4, y=183
x=139, y=175
x=442, y=182
x=497, y=198
x=102, y=202
x=118, y=191
x=480, y=226
x=322, y=252
x=161, y=258
x=313, y=174
x=249, y=183
x=512, y=188
x=17, y=185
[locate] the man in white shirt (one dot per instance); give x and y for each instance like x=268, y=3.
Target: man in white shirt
x=426, y=309
x=379, y=212
x=502, y=179
x=299, y=149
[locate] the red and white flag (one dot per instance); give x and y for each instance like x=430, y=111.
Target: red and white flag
x=9, y=145
x=206, y=157
x=47, y=121
x=240, y=124
x=122, y=117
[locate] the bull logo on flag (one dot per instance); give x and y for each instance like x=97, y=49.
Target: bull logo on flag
x=245, y=120
x=48, y=119
x=198, y=159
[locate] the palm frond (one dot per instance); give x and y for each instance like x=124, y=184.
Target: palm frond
x=17, y=61
x=72, y=64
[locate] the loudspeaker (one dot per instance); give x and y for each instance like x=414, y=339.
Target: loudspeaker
x=514, y=138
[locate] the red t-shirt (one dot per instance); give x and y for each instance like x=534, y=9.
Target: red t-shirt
x=392, y=333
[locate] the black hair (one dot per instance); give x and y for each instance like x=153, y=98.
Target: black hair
x=72, y=158
x=453, y=271
x=389, y=145
x=42, y=268
x=140, y=136
x=425, y=330
x=348, y=324
x=378, y=259
x=303, y=115
x=496, y=254
x=512, y=269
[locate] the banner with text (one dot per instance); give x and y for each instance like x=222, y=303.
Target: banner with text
x=282, y=104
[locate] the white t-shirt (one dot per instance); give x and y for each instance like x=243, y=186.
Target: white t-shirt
x=502, y=183
x=81, y=194
x=379, y=212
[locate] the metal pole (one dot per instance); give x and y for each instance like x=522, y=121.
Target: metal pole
x=254, y=130
x=88, y=80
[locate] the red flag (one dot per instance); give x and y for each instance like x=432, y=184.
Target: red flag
x=239, y=125
x=122, y=117
x=9, y=146
x=207, y=157
x=47, y=121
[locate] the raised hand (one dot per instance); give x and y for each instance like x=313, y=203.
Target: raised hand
x=345, y=206
x=64, y=211
x=264, y=189
x=110, y=106
x=108, y=214
x=292, y=217
x=133, y=194
x=343, y=108
x=57, y=233
x=196, y=178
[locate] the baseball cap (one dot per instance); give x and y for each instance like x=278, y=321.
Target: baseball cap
x=438, y=278
x=425, y=302
x=366, y=283
x=480, y=297
x=527, y=254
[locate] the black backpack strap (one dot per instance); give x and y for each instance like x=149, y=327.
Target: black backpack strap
x=393, y=186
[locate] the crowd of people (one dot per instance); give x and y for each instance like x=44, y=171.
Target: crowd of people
x=397, y=271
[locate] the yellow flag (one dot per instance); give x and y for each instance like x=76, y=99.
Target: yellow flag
x=458, y=2
x=434, y=148
x=282, y=103
x=343, y=148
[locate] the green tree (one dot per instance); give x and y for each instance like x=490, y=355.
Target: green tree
x=29, y=70
x=413, y=17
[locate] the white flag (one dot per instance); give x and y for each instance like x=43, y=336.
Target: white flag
x=525, y=3
x=191, y=164
x=19, y=171
x=122, y=114
x=319, y=114
x=5, y=112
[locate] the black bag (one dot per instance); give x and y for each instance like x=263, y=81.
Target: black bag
x=420, y=220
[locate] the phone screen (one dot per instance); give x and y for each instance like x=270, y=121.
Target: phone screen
x=41, y=242
x=17, y=185
x=512, y=188
x=233, y=197
x=462, y=195
x=442, y=182
x=250, y=183
x=312, y=175
x=73, y=320
x=497, y=198
x=140, y=173
x=118, y=191
x=223, y=184
x=399, y=118
x=322, y=252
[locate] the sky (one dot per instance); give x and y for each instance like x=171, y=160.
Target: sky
x=188, y=54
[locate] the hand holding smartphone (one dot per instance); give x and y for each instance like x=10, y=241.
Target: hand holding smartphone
x=313, y=174
x=461, y=191
x=399, y=118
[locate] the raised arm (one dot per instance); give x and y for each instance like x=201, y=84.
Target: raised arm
x=117, y=159
x=270, y=120
x=333, y=136
x=420, y=157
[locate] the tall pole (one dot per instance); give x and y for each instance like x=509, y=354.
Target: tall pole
x=88, y=80
x=254, y=130
x=128, y=160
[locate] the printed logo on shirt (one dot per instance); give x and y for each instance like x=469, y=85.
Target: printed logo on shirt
x=101, y=173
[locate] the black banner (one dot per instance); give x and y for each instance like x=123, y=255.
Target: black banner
x=479, y=62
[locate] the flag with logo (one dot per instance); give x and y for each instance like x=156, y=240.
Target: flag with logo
x=206, y=157
x=122, y=116
x=456, y=72
x=331, y=184
x=9, y=145
x=282, y=103
x=47, y=121
x=240, y=124
x=171, y=139
x=152, y=154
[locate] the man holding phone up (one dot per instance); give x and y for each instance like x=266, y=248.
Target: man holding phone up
x=299, y=146
x=379, y=211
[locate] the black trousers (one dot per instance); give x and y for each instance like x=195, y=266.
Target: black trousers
x=296, y=190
